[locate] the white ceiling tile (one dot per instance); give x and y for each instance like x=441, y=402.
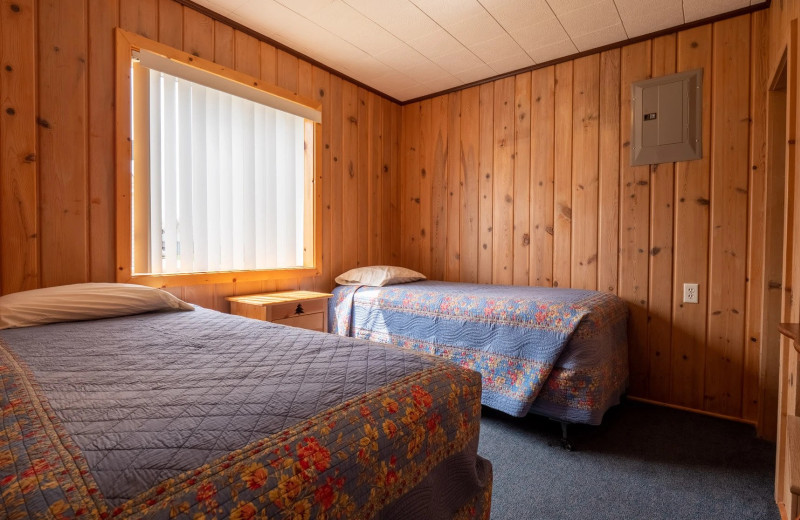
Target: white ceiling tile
x=554, y=51
x=409, y=48
x=646, y=16
x=605, y=36
x=514, y=15
x=443, y=83
x=590, y=18
x=436, y=44
x=448, y=12
x=511, y=63
x=459, y=61
x=699, y=9
x=561, y=7
x=412, y=92
x=396, y=77
x=475, y=29
x=540, y=35
x=498, y=48
x=475, y=74
x=399, y=17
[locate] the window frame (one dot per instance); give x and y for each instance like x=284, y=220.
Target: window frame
x=126, y=44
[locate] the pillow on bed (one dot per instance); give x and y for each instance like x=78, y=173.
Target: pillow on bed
x=378, y=276
x=83, y=301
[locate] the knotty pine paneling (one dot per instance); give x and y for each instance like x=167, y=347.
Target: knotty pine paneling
x=56, y=168
x=523, y=180
x=548, y=197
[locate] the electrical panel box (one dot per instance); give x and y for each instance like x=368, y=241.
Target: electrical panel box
x=667, y=118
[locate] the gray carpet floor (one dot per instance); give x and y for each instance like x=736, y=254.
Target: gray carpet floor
x=643, y=462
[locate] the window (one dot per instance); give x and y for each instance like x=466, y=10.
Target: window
x=220, y=178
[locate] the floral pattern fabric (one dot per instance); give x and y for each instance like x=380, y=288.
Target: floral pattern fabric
x=523, y=340
x=351, y=461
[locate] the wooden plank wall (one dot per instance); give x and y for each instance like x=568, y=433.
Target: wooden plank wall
x=547, y=196
x=57, y=129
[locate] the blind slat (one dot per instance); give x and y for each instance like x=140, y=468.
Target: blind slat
x=155, y=173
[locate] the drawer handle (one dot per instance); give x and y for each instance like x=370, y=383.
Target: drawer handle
x=299, y=309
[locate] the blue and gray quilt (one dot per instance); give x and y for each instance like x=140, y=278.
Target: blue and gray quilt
x=557, y=352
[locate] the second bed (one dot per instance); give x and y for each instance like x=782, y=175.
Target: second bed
x=561, y=353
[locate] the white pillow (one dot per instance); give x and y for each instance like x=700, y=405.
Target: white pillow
x=378, y=276
x=83, y=301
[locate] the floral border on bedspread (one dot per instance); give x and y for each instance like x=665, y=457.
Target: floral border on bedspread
x=349, y=461
x=519, y=337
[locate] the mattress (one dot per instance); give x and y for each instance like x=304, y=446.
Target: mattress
x=556, y=352
x=204, y=415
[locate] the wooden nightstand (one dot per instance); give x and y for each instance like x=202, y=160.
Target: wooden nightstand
x=304, y=309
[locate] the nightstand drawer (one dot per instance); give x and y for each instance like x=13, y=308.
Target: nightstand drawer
x=282, y=311
x=304, y=309
x=315, y=321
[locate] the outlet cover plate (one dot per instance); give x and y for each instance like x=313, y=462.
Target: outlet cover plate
x=690, y=293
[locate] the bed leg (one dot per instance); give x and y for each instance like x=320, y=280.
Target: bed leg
x=565, y=444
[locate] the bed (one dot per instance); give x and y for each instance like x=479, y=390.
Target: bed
x=205, y=415
x=561, y=353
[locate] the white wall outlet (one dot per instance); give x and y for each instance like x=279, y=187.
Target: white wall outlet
x=690, y=293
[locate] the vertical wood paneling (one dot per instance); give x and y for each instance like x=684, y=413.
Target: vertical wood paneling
x=321, y=86
x=691, y=250
x=374, y=180
x=388, y=175
x=437, y=174
x=454, y=187
x=608, y=171
x=139, y=16
x=486, y=169
x=349, y=175
x=396, y=194
x=585, y=142
x=526, y=155
x=63, y=142
x=470, y=182
x=503, y=189
x=19, y=226
x=410, y=186
x=198, y=34
x=101, y=16
x=757, y=226
x=170, y=23
x=246, y=54
x=522, y=179
x=662, y=190
x=425, y=151
x=337, y=169
x=634, y=232
x=729, y=195
x=562, y=180
x=269, y=63
x=436, y=164
x=542, y=175
x=286, y=70
x=362, y=207
x=223, y=44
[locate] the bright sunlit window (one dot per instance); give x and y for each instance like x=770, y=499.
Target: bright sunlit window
x=222, y=173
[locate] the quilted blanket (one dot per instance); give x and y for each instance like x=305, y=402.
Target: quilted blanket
x=204, y=415
x=567, y=346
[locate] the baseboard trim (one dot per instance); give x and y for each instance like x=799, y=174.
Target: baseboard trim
x=693, y=410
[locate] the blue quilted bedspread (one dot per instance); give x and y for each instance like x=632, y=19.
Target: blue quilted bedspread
x=514, y=336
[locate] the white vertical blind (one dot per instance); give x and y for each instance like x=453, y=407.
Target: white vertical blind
x=226, y=181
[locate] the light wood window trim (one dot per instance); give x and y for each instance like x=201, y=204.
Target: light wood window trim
x=126, y=44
